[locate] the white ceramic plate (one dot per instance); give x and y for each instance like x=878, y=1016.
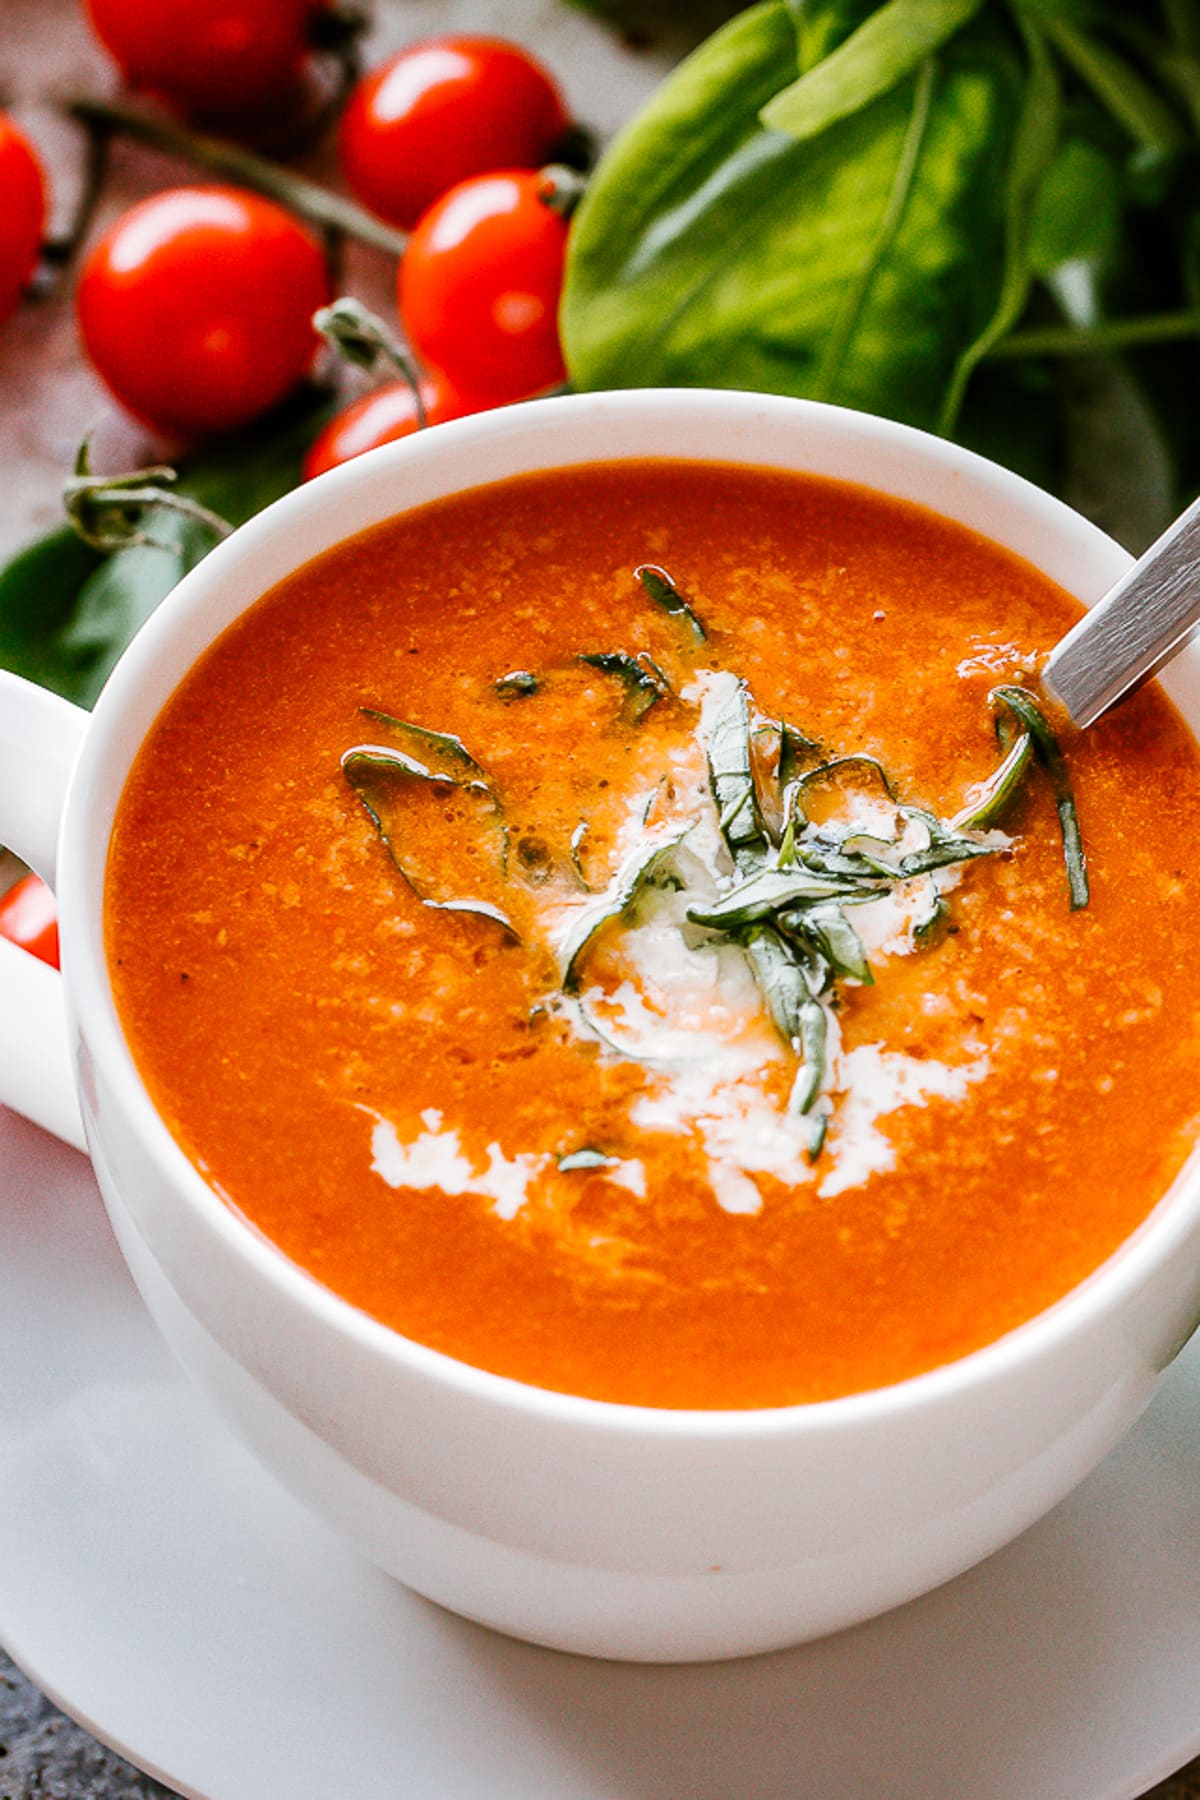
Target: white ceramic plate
x=167, y=1593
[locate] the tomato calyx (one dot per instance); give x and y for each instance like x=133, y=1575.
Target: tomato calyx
x=362, y=339
x=107, y=511
x=561, y=188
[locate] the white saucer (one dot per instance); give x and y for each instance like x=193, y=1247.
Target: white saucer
x=167, y=1593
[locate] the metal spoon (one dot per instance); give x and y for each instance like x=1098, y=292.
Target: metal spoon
x=1140, y=624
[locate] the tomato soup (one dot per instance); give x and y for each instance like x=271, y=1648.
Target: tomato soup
x=624, y=928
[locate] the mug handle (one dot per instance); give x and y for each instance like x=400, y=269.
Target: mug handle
x=40, y=740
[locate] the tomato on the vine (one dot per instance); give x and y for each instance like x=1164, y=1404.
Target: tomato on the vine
x=22, y=213
x=209, y=57
x=29, y=918
x=440, y=111
x=381, y=417
x=196, y=307
x=479, y=286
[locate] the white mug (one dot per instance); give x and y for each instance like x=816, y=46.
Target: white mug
x=614, y=1530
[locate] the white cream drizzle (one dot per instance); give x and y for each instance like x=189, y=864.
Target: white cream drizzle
x=435, y=1159
x=690, y=1010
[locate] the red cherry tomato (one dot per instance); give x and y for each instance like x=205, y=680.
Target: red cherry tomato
x=380, y=417
x=440, y=111
x=196, y=307
x=207, y=56
x=22, y=214
x=29, y=917
x=479, y=286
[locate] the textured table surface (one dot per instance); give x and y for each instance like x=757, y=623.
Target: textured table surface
x=48, y=398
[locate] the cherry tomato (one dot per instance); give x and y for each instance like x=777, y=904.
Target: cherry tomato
x=479, y=286
x=209, y=57
x=440, y=111
x=29, y=917
x=380, y=417
x=196, y=307
x=22, y=214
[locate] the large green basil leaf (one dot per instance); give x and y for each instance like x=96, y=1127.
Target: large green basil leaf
x=1077, y=215
x=67, y=613
x=1034, y=138
x=821, y=25
x=859, y=267
x=892, y=43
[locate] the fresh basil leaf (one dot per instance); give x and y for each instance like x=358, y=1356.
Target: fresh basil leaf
x=822, y=25
x=483, y=909
x=996, y=794
x=424, y=817
x=639, y=871
x=1077, y=211
x=813, y=1041
x=39, y=590
x=434, y=754
x=835, y=764
x=892, y=43
x=1026, y=710
x=780, y=978
x=644, y=682
x=665, y=594
x=858, y=267
x=731, y=778
x=942, y=853
x=1031, y=150
x=839, y=942
x=929, y=926
x=771, y=891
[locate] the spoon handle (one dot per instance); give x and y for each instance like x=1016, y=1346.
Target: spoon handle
x=1137, y=627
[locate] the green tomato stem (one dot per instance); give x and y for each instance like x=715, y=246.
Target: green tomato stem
x=1094, y=340
x=330, y=211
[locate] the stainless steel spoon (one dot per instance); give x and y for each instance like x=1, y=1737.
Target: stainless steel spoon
x=1140, y=624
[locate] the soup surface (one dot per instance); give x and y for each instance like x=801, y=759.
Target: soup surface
x=441, y=922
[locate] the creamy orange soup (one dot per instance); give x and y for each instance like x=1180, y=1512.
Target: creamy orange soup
x=424, y=932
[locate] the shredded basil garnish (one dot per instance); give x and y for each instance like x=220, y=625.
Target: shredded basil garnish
x=386, y=781
x=644, y=682
x=664, y=593
x=637, y=872
x=1029, y=715
x=993, y=799
x=787, y=903
x=731, y=778
x=438, y=753
x=772, y=891
x=483, y=909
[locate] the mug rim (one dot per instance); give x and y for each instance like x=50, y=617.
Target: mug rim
x=90, y=991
